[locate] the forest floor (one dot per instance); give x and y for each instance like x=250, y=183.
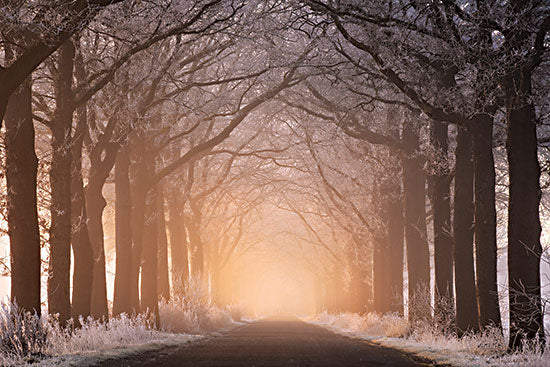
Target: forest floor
x=274, y=342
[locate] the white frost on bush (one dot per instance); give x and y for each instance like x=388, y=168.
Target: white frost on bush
x=375, y=325
x=27, y=338
x=430, y=341
x=191, y=310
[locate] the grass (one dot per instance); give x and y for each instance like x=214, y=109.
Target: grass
x=434, y=342
x=26, y=338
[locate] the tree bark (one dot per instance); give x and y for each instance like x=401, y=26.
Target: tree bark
x=524, y=229
x=395, y=226
x=122, y=300
x=481, y=128
x=365, y=289
x=21, y=171
x=418, y=256
x=216, y=286
x=356, y=302
x=197, y=251
x=81, y=244
x=59, y=301
x=163, y=273
x=440, y=181
x=178, y=245
x=139, y=192
x=149, y=261
x=102, y=160
x=381, y=280
x=395, y=242
x=467, y=318
x=95, y=203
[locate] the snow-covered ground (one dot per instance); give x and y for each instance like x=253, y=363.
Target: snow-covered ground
x=97, y=355
x=42, y=342
x=26, y=339
x=427, y=341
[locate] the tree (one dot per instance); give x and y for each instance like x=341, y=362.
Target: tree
x=58, y=22
x=60, y=182
x=21, y=169
x=467, y=317
x=524, y=248
x=439, y=36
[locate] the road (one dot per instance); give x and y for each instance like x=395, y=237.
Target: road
x=270, y=343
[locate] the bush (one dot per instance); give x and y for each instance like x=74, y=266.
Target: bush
x=93, y=334
x=23, y=335
x=192, y=310
x=236, y=311
x=389, y=325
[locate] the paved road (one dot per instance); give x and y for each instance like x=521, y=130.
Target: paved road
x=270, y=343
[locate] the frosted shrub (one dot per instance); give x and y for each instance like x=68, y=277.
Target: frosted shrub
x=430, y=320
x=26, y=338
x=444, y=315
x=420, y=307
x=374, y=324
x=192, y=310
x=94, y=334
x=236, y=311
x=22, y=334
x=486, y=348
x=394, y=326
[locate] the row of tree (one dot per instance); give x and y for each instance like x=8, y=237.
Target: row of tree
x=132, y=93
x=471, y=66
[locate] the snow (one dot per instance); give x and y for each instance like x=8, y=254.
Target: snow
x=96, y=356
x=488, y=349
x=41, y=341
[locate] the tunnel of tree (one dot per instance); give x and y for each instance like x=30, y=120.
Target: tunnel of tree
x=284, y=156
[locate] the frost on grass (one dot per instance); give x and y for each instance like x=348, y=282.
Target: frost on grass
x=26, y=338
x=434, y=342
x=192, y=311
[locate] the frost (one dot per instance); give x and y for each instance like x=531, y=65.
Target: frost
x=428, y=341
x=27, y=338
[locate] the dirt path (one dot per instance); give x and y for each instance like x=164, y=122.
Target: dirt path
x=273, y=343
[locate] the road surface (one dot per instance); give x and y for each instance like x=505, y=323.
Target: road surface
x=273, y=343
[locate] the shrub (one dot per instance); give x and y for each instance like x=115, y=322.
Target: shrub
x=22, y=334
x=192, y=310
x=26, y=337
x=236, y=311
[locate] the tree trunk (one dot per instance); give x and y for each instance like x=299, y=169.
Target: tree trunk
x=122, y=300
x=418, y=256
x=524, y=229
x=216, y=286
x=163, y=274
x=197, y=251
x=59, y=301
x=178, y=245
x=102, y=159
x=356, y=300
x=82, y=246
x=139, y=192
x=485, y=220
x=440, y=181
x=149, y=261
x=95, y=203
x=395, y=241
x=21, y=171
x=381, y=280
x=395, y=226
x=467, y=318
